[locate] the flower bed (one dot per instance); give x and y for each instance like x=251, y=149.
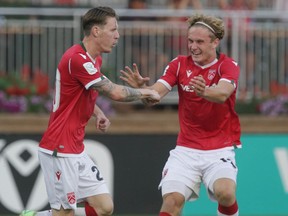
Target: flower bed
x=21, y=94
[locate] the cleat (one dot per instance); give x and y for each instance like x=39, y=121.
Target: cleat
x=28, y=213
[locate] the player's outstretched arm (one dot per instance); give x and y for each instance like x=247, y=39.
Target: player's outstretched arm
x=124, y=93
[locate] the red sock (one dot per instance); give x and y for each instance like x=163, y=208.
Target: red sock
x=164, y=214
x=89, y=210
x=228, y=210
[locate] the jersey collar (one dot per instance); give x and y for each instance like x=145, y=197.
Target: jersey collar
x=82, y=45
x=207, y=65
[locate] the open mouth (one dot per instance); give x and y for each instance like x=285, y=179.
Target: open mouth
x=196, y=55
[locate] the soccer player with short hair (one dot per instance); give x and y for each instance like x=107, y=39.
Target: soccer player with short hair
x=70, y=175
x=209, y=126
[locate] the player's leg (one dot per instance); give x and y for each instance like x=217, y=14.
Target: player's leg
x=177, y=174
x=224, y=192
x=173, y=202
x=62, y=212
x=93, y=190
x=220, y=179
x=99, y=205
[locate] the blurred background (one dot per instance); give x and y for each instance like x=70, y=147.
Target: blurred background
x=35, y=33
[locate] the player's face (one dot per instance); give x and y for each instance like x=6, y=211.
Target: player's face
x=202, y=49
x=109, y=35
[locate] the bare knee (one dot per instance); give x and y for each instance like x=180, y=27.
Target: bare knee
x=224, y=191
x=173, y=203
x=225, y=197
x=102, y=204
x=105, y=210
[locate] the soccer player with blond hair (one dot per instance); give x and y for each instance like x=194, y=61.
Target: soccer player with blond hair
x=209, y=126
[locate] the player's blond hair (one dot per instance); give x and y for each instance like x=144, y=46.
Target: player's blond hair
x=214, y=24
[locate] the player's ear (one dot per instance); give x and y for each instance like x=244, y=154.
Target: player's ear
x=216, y=43
x=95, y=31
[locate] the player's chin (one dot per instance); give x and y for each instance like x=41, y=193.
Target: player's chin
x=197, y=58
x=108, y=50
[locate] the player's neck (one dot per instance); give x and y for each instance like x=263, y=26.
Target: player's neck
x=90, y=47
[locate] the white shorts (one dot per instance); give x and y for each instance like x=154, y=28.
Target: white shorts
x=187, y=168
x=70, y=180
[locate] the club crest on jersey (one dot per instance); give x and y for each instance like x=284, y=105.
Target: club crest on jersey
x=211, y=74
x=188, y=72
x=71, y=198
x=90, y=68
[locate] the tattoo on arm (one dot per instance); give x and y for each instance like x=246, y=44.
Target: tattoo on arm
x=126, y=94
x=131, y=94
x=104, y=87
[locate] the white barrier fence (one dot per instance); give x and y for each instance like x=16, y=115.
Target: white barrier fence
x=37, y=37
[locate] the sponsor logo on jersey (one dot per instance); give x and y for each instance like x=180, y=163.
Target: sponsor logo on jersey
x=186, y=88
x=89, y=67
x=71, y=198
x=188, y=72
x=211, y=74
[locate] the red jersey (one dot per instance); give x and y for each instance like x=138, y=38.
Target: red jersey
x=204, y=125
x=73, y=102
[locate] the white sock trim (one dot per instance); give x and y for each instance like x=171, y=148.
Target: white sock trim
x=220, y=214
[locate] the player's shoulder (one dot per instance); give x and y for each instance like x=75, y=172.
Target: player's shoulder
x=181, y=59
x=79, y=55
x=226, y=60
x=76, y=48
x=76, y=52
x=71, y=53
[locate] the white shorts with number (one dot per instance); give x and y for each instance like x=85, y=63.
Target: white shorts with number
x=187, y=168
x=69, y=180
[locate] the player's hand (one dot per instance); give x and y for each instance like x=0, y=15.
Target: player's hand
x=149, y=102
x=198, y=84
x=102, y=122
x=133, y=77
x=150, y=97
